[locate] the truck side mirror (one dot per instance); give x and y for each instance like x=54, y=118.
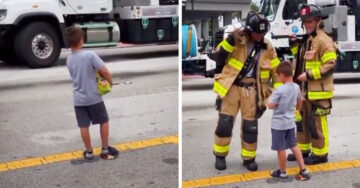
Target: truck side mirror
x=295, y=16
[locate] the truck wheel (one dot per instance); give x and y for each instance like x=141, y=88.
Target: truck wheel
x=37, y=45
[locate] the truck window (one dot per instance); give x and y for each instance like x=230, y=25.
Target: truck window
x=269, y=8
x=292, y=6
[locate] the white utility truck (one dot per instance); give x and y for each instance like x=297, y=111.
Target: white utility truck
x=33, y=31
x=341, y=21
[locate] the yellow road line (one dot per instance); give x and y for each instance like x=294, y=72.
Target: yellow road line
x=251, y=176
x=37, y=161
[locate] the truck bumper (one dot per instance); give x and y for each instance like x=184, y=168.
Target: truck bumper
x=149, y=31
x=196, y=67
x=6, y=33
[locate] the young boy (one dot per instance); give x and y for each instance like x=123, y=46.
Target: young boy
x=89, y=105
x=283, y=101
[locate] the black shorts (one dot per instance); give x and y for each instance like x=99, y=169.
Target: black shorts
x=283, y=139
x=96, y=114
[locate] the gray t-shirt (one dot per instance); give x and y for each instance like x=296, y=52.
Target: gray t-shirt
x=285, y=97
x=82, y=65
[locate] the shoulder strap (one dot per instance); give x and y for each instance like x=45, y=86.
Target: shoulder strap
x=250, y=61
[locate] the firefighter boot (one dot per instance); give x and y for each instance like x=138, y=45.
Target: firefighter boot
x=250, y=164
x=291, y=157
x=312, y=160
x=220, y=163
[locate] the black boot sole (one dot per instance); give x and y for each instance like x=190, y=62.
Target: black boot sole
x=317, y=162
x=250, y=169
x=220, y=168
x=291, y=157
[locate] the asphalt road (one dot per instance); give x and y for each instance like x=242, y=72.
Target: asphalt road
x=37, y=119
x=199, y=123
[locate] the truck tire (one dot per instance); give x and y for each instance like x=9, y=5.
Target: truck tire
x=37, y=45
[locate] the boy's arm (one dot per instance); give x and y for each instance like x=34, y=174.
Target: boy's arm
x=299, y=100
x=99, y=65
x=106, y=74
x=299, y=104
x=271, y=105
x=273, y=99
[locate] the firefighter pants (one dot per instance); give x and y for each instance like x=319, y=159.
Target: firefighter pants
x=243, y=99
x=312, y=130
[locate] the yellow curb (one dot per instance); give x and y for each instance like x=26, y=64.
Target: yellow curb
x=251, y=176
x=61, y=157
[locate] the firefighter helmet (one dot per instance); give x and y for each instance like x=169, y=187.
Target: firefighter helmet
x=256, y=22
x=310, y=12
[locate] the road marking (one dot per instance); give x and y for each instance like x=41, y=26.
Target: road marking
x=251, y=176
x=37, y=161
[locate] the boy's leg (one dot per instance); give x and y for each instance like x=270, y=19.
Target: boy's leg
x=83, y=120
x=279, y=144
x=298, y=154
x=299, y=157
x=282, y=160
x=107, y=152
x=85, y=135
x=99, y=116
x=303, y=174
x=104, y=133
x=281, y=172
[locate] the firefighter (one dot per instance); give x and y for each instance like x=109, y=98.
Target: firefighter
x=314, y=63
x=245, y=64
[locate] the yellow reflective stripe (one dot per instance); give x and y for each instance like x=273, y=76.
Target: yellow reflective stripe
x=275, y=62
x=277, y=84
x=328, y=56
x=264, y=74
x=317, y=95
x=304, y=147
x=312, y=65
x=219, y=89
x=227, y=46
x=248, y=153
x=238, y=65
x=325, y=149
x=221, y=149
x=316, y=73
x=295, y=49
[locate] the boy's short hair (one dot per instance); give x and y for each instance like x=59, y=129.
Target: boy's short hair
x=74, y=35
x=285, y=68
